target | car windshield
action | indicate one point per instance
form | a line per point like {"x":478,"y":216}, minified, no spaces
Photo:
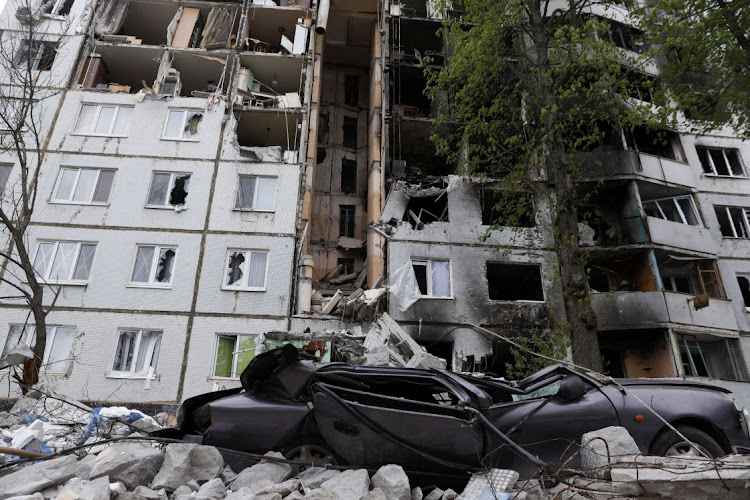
{"x":543,"y":392}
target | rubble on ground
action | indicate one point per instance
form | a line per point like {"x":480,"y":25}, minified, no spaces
{"x":612,"y":466}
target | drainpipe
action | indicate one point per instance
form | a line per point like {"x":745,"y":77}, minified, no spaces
{"x":375,"y":242}
{"x":304,"y":284}
{"x":322,"y":24}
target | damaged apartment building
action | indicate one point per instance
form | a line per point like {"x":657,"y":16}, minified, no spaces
{"x":218,"y":170}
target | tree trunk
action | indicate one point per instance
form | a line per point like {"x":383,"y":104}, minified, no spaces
{"x":32,"y":366}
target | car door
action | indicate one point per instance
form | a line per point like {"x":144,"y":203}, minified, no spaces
{"x":369,"y":426}
{"x":550,"y":426}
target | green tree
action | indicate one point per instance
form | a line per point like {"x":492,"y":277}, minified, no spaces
{"x":707,"y":49}
{"x":531,"y":88}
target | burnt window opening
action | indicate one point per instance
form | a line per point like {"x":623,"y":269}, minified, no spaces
{"x":347,"y":222}
{"x":721,"y":161}
{"x":423,"y":210}
{"x":661,"y":143}
{"x":514,"y":282}
{"x":626,"y":37}
{"x":506,"y":208}
{"x":348,"y":176}
{"x":234,"y":274}
{"x":350,"y":132}
{"x":38,"y":55}
{"x":640,"y":85}
{"x":323,"y":127}
{"x":321,"y":155}
{"x":744,"y":283}
{"x":599,"y":281}
{"x":347,"y":266}
{"x":351,"y":90}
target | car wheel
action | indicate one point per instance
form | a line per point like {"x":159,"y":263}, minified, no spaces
{"x":669,"y":444}
{"x":309,"y":454}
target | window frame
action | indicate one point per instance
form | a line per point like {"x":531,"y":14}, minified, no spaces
{"x":91,"y":201}
{"x":428,"y":263}
{"x":183,"y":122}
{"x":255,"y":193}
{"x":714,"y":172}
{"x":113,"y":373}
{"x":172,"y":178}
{"x":57,"y":6}
{"x":347,"y":209}
{"x":41,"y":48}
{"x":244,"y":287}
{"x":28,"y":331}
{"x":95,"y":121}
{"x":45,"y":278}
{"x":736,"y":363}
{"x":680,"y":211}
{"x":746,"y":277}
{"x":235,"y":354}
{"x":745,"y":221}
{"x":153,"y":268}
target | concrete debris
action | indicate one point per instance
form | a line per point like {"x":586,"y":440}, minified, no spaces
{"x":274,"y":472}
{"x":311,"y":478}
{"x":184,"y":462}
{"x":394,"y":483}
{"x":402,"y":349}
{"x":131,"y":463}
{"x":607,"y":446}
{"x":349,"y":485}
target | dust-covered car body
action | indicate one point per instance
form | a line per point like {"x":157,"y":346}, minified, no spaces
{"x":431,"y":420}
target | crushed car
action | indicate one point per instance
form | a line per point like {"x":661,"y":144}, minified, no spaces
{"x":434,"y":420}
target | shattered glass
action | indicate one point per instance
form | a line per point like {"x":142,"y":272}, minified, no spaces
{"x":179,"y":192}
{"x":125,"y":351}
{"x":235,"y":272}
{"x":166,"y":266}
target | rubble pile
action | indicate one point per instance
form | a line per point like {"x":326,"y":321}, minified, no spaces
{"x":45,"y":422}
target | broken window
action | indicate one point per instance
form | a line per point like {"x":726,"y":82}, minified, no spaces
{"x":168,"y":190}
{"x":639,"y":85}
{"x":721,"y":161}
{"x":626,"y":37}
{"x":696,"y":277}
{"x":64,"y":261}
{"x":348,"y":176}
{"x":433,"y":277}
{"x":350,"y":132}
{"x":711,"y":356}
{"x":38,"y":55}
{"x":104,"y":120}
{"x":233,"y":353}
{"x":57,"y":7}
{"x":182,"y":124}
{"x":5,"y":170}
{"x":734,"y":222}
{"x":153,"y":265}
{"x":506,"y":208}
{"x":679,"y":209}
{"x":744,"y":283}
{"x":56,"y":352}
{"x":515,"y":282}
{"x":256,"y":193}
{"x":347,"y":266}
{"x":137,"y":353}
{"x":347,"y":220}
{"x":83,"y":185}
{"x":661,"y":143}
{"x":246,"y":270}
{"x":423,"y":210}
{"x":351,"y":90}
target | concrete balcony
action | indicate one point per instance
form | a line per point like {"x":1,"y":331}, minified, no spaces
{"x":648,"y":309}
{"x":630,"y":163}
{"x":683,"y":236}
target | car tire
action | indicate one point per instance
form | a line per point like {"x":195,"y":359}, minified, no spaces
{"x":312,"y":452}
{"x":669,"y":444}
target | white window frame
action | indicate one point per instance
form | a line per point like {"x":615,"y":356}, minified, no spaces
{"x":41,"y":45}
{"x":673,"y":200}
{"x":95,"y":121}
{"x":170,"y":187}
{"x":29,"y":332}
{"x":151,"y":283}
{"x":185,"y":112}
{"x":45,"y":277}
{"x":246,"y":275}
{"x":745,"y":221}
{"x":90,"y":201}
{"x":56,"y":7}
{"x":131,"y":373}
{"x":428,"y":263}
{"x":726,"y":160}
{"x":235,"y":354}
{"x":255,"y":193}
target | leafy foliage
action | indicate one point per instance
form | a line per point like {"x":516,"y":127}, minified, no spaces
{"x":554,"y":344}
